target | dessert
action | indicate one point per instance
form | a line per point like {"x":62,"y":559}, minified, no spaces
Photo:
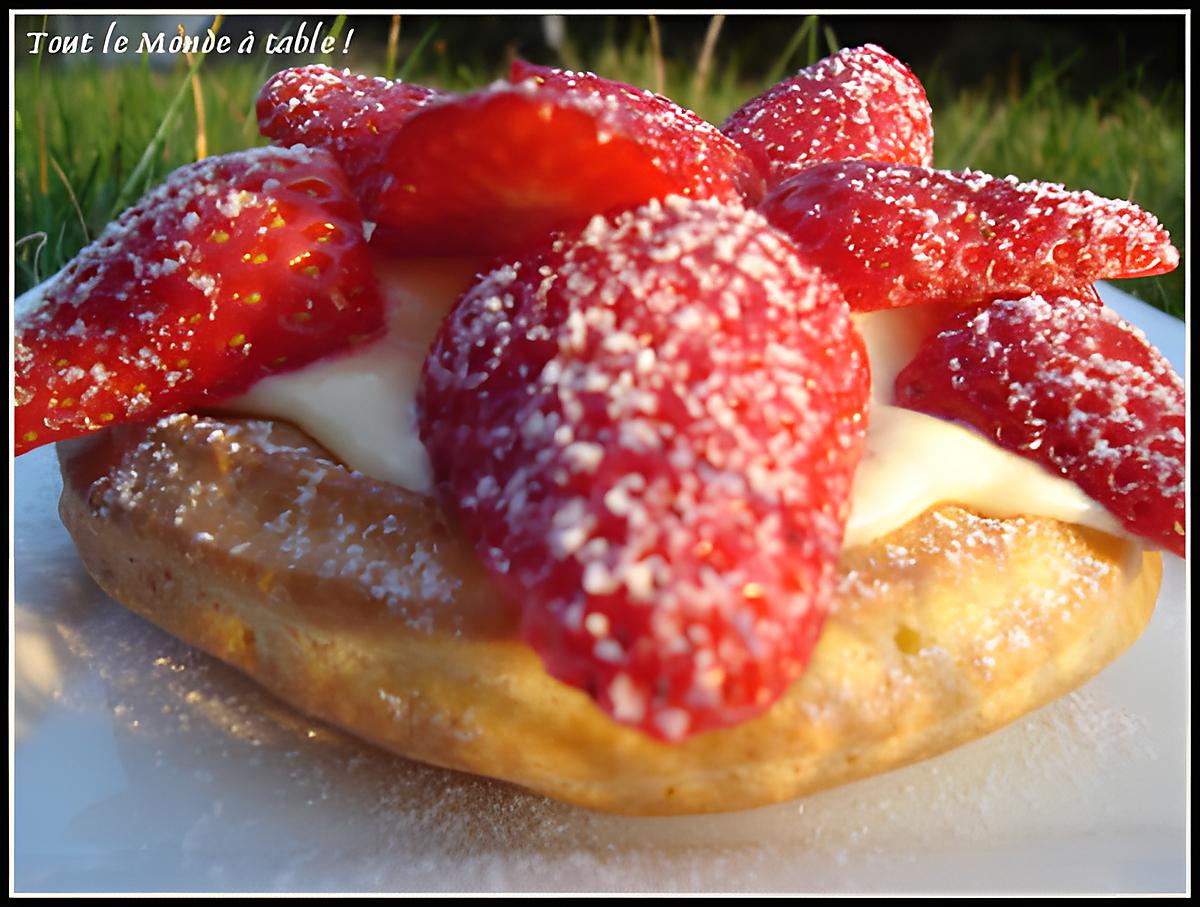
{"x":634,"y":571}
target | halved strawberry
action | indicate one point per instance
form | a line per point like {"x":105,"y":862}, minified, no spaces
{"x":860,"y":103}
{"x":649,"y":431}
{"x":678,"y":133}
{"x":1067,"y":383}
{"x":894,"y":235}
{"x":497,"y":170}
{"x":234,"y":268}
{"x":347,"y":114}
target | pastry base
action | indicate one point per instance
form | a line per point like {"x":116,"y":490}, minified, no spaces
{"x":359,"y":603}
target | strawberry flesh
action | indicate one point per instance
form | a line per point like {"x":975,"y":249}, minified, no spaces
{"x":676,"y":132}
{"x":1068,"y":384}
{"x":235,"y":268}
{"x":496,"y":171}
{"x":648,"y":429}
{"x":860,"y":103}
{"x":339,"y":111}
{"x":894,"y":235}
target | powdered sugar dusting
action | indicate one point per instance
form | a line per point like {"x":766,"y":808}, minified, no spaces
{"x":1067,"y":383}
{"x":610,"y":459}
{"x":346,"y":113}
{"x":859,"y":103}
{"x":894,"y":235}
{"x":221,"y":480}
{"x":267,"y":799}
{"x":217,"y":277}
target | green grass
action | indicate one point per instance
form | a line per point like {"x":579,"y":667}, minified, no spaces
{"x":97,"y":123}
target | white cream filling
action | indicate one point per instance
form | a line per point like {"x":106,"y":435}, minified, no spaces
{"x":913,"y":461}
{"x":361,"y":405}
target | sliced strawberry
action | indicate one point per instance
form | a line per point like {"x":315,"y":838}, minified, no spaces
{"x":234,"y":268}
{"x":860,"y":103}
{"x":497,"y":170}
{"x":649,"y":431}
{"x":894,"y":235}
{"x":323,"y":107}
{"x":677,"y":133}
{"x":1067,"y":383}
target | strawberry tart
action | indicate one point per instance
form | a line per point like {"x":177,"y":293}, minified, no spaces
{"x":551,"y":433}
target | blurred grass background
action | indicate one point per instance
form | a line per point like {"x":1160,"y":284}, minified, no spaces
{"x":1093,"y":102}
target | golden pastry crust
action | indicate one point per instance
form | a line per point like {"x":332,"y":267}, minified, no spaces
{"x":357,"y":602}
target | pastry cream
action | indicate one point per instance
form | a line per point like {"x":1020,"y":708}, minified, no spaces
{"x":913,"y":461}
{"x":361,"y":406}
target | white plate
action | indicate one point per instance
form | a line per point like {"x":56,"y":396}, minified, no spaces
{"x":141,"y":765}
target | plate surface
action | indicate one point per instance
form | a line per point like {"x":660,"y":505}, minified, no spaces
{"x":142,"y":765}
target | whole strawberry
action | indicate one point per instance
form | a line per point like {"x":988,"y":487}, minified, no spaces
{"x":1067,"y":383}
{"x":894,"y":235}
{"x":235,"y":268}
{"x":860,"y":103}
{"x":649,"y":430}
